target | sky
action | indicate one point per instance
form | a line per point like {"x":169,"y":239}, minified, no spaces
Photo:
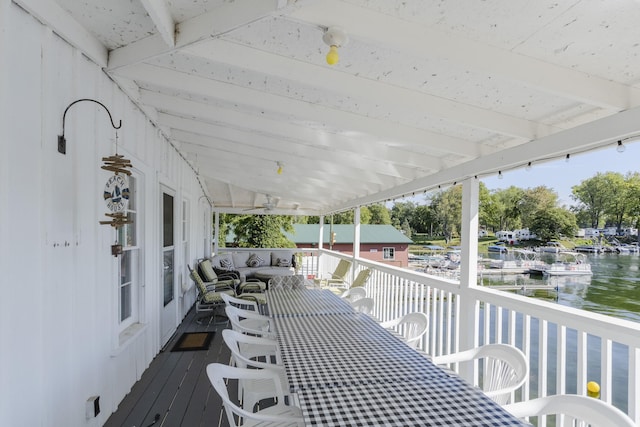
{"x":560,"y":175}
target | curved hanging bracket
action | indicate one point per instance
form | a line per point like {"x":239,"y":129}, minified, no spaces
{"x":62,"y":142}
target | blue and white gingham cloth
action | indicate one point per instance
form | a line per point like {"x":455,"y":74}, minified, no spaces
{"x":305,"y":302}
{"x":444,"y":401}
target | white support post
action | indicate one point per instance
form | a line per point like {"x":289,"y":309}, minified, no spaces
{"x":356,"y":240}
{"x":469,"y":308}
{"x":320,"y":241}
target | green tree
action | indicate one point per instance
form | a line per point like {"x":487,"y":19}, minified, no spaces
{"x":510,"y":199}
{"x":447,"y":207}
{"x":553,"y":223}
{"x":400,"y":212}
{"x":379,"y":214}
{"x":619,"y":203}
{"x":534,"y":200}
{"x":594,"y":198}
{"x":263,"y":231}
{"x":633,"y":197}
{"x":406,"y":229}
{"x":423,"y":219}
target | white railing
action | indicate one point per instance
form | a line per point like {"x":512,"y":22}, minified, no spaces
{"x":566,"y":347}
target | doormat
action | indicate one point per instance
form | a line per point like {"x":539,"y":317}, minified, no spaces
{"x":192,"y":341}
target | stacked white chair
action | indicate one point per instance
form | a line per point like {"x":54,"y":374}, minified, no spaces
{"x":363,"y":305}
{"x":411,"y":327}
{"x":279,"y":414}
{"x":578,"y":411}
{"x":250,"y":322}
{"x":256,"y":352}
{"x":506,"y":368}
{"x":354,"y":294}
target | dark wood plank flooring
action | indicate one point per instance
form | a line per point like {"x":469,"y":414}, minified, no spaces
{"x":175,"y":388}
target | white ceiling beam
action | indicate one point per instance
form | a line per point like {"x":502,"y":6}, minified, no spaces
{"x":374,"y":92}
{"x":171,"y":79}
{"x":269,"y":152}
{"x":351,"y":154}
{"x":309,"y":139}
{"x":590,"y":136}
{"x":249,"y":178}
{"x":362,"y":22}
{"x":221,"y":20}
{"x":160,"y":14}
{"x":63,"y":24}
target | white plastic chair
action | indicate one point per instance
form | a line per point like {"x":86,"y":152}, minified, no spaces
{"x":240,"y":303}
{"x":277,"y":415}
{"x":247,"y":351}
{"x":363,"y":305}
{"x":411,"y":327}
{"x":250,"y":322}
{"x":577,"y":411}
{"x":505,"y":368}
{"x":354,"y":294}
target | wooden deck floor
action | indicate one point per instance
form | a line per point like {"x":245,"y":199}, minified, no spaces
{"x":175,"y":388}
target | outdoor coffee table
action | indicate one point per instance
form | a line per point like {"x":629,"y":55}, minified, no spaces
{"x":266,"y":274}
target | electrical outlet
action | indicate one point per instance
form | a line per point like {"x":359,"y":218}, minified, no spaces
{"x":92,"y":407}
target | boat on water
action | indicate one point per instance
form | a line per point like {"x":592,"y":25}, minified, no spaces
{"x":552,"y":247}
{"x":592,"y":249}
{"x":499,"y":247}
{"x":568,"y":264}
{"x":519,"y":261}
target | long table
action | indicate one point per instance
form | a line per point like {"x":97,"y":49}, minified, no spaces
{"x":344,"y":369}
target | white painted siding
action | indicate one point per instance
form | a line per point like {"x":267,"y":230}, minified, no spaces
{"x":59,"y":305}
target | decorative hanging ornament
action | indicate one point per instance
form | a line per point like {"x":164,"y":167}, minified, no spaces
{"x":116,"y":190}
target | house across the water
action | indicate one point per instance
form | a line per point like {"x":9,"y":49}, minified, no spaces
{"x":382,"y":243}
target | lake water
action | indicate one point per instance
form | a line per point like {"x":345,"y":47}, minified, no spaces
{"x":614,"y":288}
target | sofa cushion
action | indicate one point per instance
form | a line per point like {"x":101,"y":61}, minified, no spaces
{"x":280,"y":258}
{"x":223,"y":262}
{"x":226,"y":263}
{"x":254,"y":260}
{"x":240,"y":259}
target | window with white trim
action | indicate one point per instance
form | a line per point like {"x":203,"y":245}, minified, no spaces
{"x":129,"y":262}
{"x":389,"y":253}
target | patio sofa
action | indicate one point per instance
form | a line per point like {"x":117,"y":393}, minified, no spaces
{"x":247,"y":263}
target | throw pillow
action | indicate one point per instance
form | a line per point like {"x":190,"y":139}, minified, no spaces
{"x":254,"y":261}
{"x":226,"y":264}
{"x":283,"y":262}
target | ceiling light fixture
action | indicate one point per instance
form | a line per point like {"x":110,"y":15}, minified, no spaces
{"x":528,"y":167}
{"x":500,"y":175}
{"x":621,"y":147}
{"x":334,"y":37}
{"x":280,"y":167}
{"x":567,"y":158}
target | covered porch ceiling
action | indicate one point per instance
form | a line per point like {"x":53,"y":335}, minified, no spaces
{"x":426,"y":93}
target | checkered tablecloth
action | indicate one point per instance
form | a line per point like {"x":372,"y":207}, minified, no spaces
{"x":329,"y":351}
{"x":446,"y":401}
{"x":305,"y":302}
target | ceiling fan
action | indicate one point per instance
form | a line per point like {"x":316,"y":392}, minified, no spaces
{"x":267,"y":206}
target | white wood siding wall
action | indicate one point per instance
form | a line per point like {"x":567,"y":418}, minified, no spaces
{"x":58,"y":310}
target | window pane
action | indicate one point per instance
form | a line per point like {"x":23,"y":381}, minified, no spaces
{"x":167,"y":202}
{"x":125,"y":302}
{"x":132,"y":194}
{"x":168,"y":277}
{"x":125,"y":267}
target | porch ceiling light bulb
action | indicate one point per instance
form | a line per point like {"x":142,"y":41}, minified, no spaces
{"x":334,"y":37}
{"x":620,"y":148}
{"x":279,"y":168}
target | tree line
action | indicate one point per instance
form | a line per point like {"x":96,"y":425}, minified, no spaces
{"x":607,"y":199}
